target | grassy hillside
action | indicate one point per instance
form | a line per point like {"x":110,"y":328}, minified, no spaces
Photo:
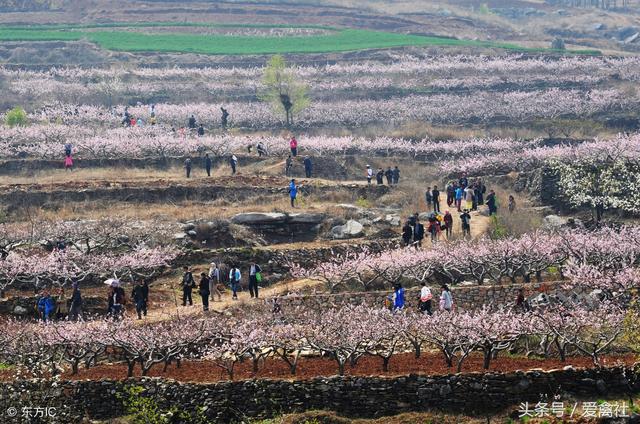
{"x":116,"y":37}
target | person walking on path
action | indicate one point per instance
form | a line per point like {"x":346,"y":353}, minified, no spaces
{"x":255,"y":274}
{"x":369,"y":174}
{"x":233,"y":162}
{"x":187,"y":167}
{"x":262,"y":151}
{"x":288,"y":164}
{"x":396,"y":175}
{"x":448,"y":224}
{"x":293,"y":192}
{"x":435,"y":197}
{"x":446,"y":300}
{"x":75,"y":309}
{"x":139,"y":299}
{"x":451,"y":193}
{"x":512,"y":203}
{"x":225,"y":117}
{"x":293,"y":145}
{"x":459,"y":196}
{"x":465,"y":219}
{"x":434,"y":228}
{"x":492,"y":203}
{"x":188,"y":283}
{"x":308,"y":166}
{"x":207,"y":164}
{"x":68,"y":163}
{"x":389,"y":175}
{"x":407,"y":233}
{"x":428,"y":197}
{"x":116,"y":301}
{"x":234,"y":279}
{"x":214,"y":280}
{"x":203,"y":291}
{"x":418,"y":234}
{"x":425,"y":298}
{"x":468,"y":197}
{"x":380,"y":176}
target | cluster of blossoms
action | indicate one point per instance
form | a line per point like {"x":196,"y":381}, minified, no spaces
{"x":483,"y":106}
{"x":62,"y":266}
{"x":344,"y":334}
{"x":46,"y":141}
{"x":585,"y":257}
{"x":400,"y":73}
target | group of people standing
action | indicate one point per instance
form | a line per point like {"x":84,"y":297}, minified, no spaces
{"x":391,"y":175}
{"x":212,"y":283}
{"x":60,"y":308}
{"x":396,"y":301}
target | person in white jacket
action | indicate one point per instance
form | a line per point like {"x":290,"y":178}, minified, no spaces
{"x":369,"y":174}
{"x":446,"y":301}
{"x":214,"y":280}
{"x":425,"y":299}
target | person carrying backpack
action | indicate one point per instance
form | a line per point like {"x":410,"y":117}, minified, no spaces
{"x":234,"y":279}
{"x":255,"y":276}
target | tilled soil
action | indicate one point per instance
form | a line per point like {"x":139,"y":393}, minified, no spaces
{"x":430,"y":363}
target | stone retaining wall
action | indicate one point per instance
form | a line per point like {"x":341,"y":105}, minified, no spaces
{"x":464,"y":297}
{"x":473,"y":393}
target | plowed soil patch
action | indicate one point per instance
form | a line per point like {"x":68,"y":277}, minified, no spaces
{"x":429,"y":363}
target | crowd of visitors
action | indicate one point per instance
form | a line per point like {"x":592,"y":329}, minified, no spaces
{"x":396,"y":300}
{"x":59,"y":307}
{"x":392,"y":176}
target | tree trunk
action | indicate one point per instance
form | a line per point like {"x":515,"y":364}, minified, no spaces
{"x":385,"y":363}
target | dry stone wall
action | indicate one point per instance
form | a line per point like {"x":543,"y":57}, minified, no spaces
{"x":226,"y":402}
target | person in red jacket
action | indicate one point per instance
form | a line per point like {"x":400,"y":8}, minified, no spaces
{"x":294,"y":146}
{"x":448,"y":224}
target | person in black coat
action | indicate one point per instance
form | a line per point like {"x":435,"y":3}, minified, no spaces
{"x":207,"y":164}
{"x":389,"y":175}
{"x":137,"y":294}
{"x":307,"y":166}
{"x":75,"y":308}
{"x":188,"y":283}
{"x":200,"y":131}
{"x":203,"y":290}
{"x":380,"y":176}
{"x":435,"y":198}
{"x":418,"y":233}
{"x":407,"y":233}
{"x":396,"y":175}
{"x":192,"y":122}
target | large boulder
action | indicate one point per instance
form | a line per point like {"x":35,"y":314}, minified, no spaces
{"x":349,"y":230}
{"x":393,"y":219}
{"x":554,"y":221}
{"x":306,"y":218}
{"x":259,"y":218}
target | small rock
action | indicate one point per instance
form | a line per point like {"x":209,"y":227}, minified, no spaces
{"x":20,"y":310}
{"x":189,"y":226}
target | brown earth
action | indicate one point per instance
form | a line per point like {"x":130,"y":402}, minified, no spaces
{"x":430,"y":363}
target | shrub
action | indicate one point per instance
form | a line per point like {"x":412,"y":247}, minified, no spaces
{"x":16,"y":117}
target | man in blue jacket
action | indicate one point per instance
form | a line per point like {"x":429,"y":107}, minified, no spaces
{"x":46,"y":306}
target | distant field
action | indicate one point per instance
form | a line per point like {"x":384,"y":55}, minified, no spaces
{"x":116,"y":37}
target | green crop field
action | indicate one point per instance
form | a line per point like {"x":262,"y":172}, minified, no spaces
{"x":116,"y":37}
